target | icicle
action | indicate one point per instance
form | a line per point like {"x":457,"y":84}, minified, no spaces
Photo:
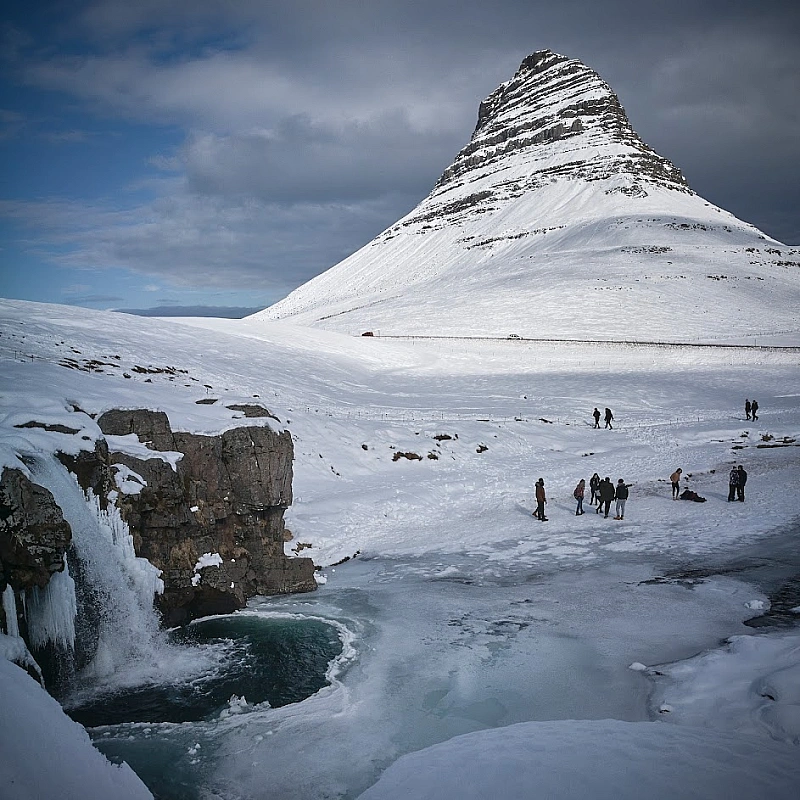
{"x":10,"y":608}
{"x":145,"y":577}
{"x":50,"y":612}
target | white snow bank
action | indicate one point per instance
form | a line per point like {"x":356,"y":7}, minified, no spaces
{"x":44,"y":754}
{"x":751,"y":685}
{"x":205,"y":560}
{"x":130,"y":445}
{"x":603,"y":760}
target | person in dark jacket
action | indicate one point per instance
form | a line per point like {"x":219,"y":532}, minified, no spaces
{"x":754,"y":409}
{"x":541,"y":499}
{"x":606,"y":496}
{"x":594,"y":483}
{"x":609,"y":417}
{"x":733,"y":482}
{"x":747,"y":408}
{"x":578,"y":495}
{"x":596,"y":415}
{"x":740,"y":483}
{"x":621,"y":495}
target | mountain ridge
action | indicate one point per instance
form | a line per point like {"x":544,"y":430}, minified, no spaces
{"x":554,"y":196}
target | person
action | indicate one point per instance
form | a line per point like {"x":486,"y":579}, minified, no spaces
{"x":594,"y":483}
{"x":754,"y":409}
{"x":733,"y":482}
{"x":541,"y":499}
{"x":578,"y":495}
{"x":596,"y":415}
{"x":676,"y":483}
{"x":621,"y":495}
{"x":747,"y":408}
{"x":609,"y":417}
{"x":740,"y":483}
{"x":606,"y":496}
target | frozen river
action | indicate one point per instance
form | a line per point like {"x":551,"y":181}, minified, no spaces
{"x":435,"y":649}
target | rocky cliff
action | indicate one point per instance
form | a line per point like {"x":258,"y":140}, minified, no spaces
{"x":205,"y":510}
{"x":226,"y":495}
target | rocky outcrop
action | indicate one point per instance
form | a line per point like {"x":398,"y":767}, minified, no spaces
{"x":226,"y":495}
{"x":34,"y":535}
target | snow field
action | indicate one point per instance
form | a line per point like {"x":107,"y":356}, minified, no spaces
{"x":466,"y":615}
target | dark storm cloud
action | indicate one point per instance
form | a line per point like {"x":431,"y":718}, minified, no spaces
{"x":310,"y":126}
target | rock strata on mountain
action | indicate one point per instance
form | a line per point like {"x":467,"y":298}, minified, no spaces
{"x":557,"y":220}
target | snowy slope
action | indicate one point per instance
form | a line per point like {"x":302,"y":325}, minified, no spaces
{"x":466,"y":615}
{"x":556,"y":220}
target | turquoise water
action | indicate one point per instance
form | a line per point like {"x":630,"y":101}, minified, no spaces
{"x":264,"y":659}
{"x":276,"y":660}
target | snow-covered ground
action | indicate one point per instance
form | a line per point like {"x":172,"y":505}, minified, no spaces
{"x":463,"y":614}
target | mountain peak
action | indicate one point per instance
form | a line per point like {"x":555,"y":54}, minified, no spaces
{"x":557,"y":220}
{"x":560,"y":118}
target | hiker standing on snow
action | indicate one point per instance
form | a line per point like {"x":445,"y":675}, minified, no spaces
{"x":675,"y":478}
{"x":541,"y":499}
{"x":609,"y":417}
{"x":578,"y":495}
{"x":747,"y":408}
{"x":754,"y":409}
{"x":594,"y":483}
{"x":596,"y":415}
{"x":606,"y":496}
{"x":741,"y":483}
{"x":733,"y":483}
{"x":621,"y":495}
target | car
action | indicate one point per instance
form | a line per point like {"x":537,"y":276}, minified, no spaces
{"x":368,"y":333}
{"x":514,"y":336}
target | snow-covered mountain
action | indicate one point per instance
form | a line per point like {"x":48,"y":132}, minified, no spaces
{"x":557,"y":220}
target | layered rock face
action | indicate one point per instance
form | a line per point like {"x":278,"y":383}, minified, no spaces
{"x":226,"y":496}
{"x":557,"y":221}
{"x":556,"y":99}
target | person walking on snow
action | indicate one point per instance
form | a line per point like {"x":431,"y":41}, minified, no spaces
{"x":578,"y":495}
{"x":747,"y":408}
{"x":675,"y":478}
{"x":733,"y":483}
{"x":594,"y":483}
{"x":621,"y":495}
{"x":740,"y":484}
{"x":754,"y":409}
{"x":609,"y":417}
{"x":606,"y":496}
{"x":541,"y":499}
{"x":596,"y":415}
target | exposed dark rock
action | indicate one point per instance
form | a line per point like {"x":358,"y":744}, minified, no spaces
{"x":253,"y":410}
{"x":227,"y":496}
{"x":49,"y":428}
{"x":90,"y":467}
{"x":33,"y":532}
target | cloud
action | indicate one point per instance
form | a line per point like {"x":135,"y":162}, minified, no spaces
{"x":307,"y":128}
{"x":213,"y":242}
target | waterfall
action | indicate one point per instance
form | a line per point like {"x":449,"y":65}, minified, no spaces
{"x":115,"y":587}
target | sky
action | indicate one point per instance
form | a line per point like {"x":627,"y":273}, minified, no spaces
{"x":214,"y":154}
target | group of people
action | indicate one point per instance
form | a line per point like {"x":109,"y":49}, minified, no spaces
{"x":608,"y":418}
{"x":750,"y":409}
{"x":603,"y":492}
